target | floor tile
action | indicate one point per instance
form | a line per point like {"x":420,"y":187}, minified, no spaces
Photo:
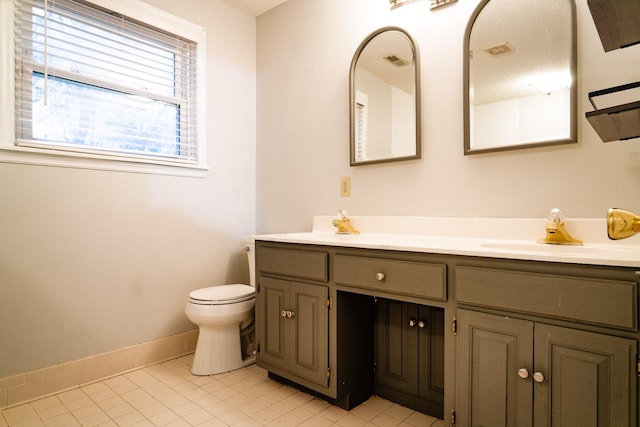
{"x":65,"y":420}
{"x":23,"y":415}
{"x":71,"y":395}
{"x":167,"y":394}
{"x":52,"y":412}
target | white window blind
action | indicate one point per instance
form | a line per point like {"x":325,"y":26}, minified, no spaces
{"x":93,"y":81}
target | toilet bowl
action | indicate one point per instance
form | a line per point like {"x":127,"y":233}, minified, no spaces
{"x":224,"y":315}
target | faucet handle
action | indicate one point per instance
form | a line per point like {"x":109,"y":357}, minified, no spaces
{"x":555,"y":215}
{"x":342,"y":213}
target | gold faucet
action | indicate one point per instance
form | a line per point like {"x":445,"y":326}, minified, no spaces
{"x":344,"y":224}
{"x":557,"y":234}
{"x":622,"y":224}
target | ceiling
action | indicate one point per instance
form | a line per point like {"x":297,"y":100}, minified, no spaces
{"x":540,"y":34}
{"x":253,"y":7}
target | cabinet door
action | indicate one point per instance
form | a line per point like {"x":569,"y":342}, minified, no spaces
{"x":589,"y":379}
{"x":310,"y":342}
{"x":272,"y":300}
{"x":431,"y":351}
{"x":491,"y":349}
{"x":396,"y":346}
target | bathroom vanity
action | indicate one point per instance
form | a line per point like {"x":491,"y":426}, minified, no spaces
{"x":474,"y":330}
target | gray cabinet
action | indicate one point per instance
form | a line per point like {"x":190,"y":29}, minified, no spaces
{"x":409,"y":355}
{"x":401,"y":277}
{"x":409,"y":336}
{"x":292,"y":315}
{"x":515,"y":372}
{"x":507,"y":342}
{"x":294,"y":336}
{"x":546,"y":345}
{"x":589,"y":378}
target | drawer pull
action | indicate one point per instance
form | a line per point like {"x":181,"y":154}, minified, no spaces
{"x":523,"y":373}
{"x":538,"y":377}
{"x":379,"y":277}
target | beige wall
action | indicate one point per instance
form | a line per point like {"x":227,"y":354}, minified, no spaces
{"x":93,"y":261}
{"x":304,"y":52}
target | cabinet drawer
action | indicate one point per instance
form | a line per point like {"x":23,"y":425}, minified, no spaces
{"x":595,"y":301}
{"x":295,"y":263}
{"x":400,"y":277}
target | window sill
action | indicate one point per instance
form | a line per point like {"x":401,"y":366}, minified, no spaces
{"x":39,"y":157}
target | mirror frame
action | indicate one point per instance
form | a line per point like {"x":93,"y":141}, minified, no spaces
{"x":573,"y":60}
{"x":352,"y":98}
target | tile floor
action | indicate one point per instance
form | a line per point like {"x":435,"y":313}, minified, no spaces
{"x":166,"y":394}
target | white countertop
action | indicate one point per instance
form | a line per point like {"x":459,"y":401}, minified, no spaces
{"x":482,"y":237}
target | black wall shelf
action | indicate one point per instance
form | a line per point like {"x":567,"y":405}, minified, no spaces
{"x":617,"y":22}
{"x":615,"y":123}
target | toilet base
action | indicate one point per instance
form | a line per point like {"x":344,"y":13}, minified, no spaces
{"x":218,"y":350}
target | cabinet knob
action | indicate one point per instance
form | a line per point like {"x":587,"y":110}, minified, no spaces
{"x":290,"y":314}
{"x":421,"y":324}
{"x":538,"y":377}
{"x":284,"y":313}
{"x":523,"y":373}
{"x":412,"y":323}
{"x":380,"y":277}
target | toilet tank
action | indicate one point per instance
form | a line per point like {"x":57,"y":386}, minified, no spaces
{"x":250,"y":247}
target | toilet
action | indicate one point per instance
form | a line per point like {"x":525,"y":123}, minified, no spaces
{"x":224,"y":315}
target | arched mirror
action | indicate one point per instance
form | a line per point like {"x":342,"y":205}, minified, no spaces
{"x":520,"y":75}
{"x":385,"y":99}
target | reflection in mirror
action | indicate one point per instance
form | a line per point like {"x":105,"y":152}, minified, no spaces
{"x":519,"y":75}
{"x":384,"y":99}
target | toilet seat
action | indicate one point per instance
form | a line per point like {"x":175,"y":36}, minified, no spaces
{"x":221,"y":295}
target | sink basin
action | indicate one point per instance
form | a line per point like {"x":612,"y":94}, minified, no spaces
{"x":571,"y":250}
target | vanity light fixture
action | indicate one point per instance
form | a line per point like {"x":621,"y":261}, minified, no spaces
{"x":434,"y":3}
{"x":439,"y":3}
{"x":397,"y":3}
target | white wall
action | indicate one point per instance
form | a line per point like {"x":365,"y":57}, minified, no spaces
{"x":304,"y":51}
{"x":92,"y":261}
{"x":518,"y":120}
{"x":379,"y":110}
{"x":403,"y":123}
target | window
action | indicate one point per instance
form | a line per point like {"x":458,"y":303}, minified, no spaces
{"x":117,"y":85}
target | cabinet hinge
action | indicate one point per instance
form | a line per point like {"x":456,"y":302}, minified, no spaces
{"x":638,"y":364}
{"x":328,"y":374}
{"x":453,"y":417}
{"x":329,"y":302}
{"x":454,"y":325}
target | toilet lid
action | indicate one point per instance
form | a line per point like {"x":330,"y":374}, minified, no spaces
{"x":225,"y":294}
